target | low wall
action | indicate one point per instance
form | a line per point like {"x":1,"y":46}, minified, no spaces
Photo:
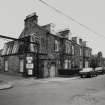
{"x":68,"y":72}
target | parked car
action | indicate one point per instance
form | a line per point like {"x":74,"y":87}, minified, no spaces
{"x":99,"y":70}
{"x":103,"y":70}
{"x":87,"y":72}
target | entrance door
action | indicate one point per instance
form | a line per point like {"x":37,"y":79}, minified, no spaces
{"x":52,"y":71}
{"x":46,"y":73}
{"x":21,"y":65}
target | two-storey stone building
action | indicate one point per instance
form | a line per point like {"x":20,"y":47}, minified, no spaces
{"x":40,"y":53}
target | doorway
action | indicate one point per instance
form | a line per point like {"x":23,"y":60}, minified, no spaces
{"x":21,"y":65}
{"x":52,"y":71}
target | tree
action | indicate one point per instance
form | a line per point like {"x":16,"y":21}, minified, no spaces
{"x":94,"y":62}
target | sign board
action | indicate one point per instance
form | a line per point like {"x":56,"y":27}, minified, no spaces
{"x":29,"y":66}
{"x":29,"y":58}
{"x":30,"y":72}
{"x":29,"y":61}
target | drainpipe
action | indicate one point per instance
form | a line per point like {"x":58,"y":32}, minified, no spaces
{"x":37,"y":57}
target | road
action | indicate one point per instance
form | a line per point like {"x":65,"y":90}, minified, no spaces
{"x":61,"y":91}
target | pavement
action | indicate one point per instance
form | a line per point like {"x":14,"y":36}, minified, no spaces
{"x":10,"y":81}
{"x":54,"y":91}
{"x":5,"y":85}
{"x":6,"y":81}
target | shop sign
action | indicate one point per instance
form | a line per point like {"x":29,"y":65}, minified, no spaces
{"x":29,"y":66}
{"x":30,"y":72}
{"x":29,"y":58}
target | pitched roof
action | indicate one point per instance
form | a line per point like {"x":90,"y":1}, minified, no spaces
{"x":10,"y":48}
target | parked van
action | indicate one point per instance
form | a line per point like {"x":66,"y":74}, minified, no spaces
{"x":99,"y":70}
{"x":87,"y":72}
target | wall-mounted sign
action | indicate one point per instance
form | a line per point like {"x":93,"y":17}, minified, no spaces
{"x":29,"y":66}
{"x":29,"y":61}
{"x":30,"y":72}
{"x":29,"y":58}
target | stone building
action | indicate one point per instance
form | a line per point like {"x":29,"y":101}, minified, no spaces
{"x":87,"y":53}
{"x":40,"y":53}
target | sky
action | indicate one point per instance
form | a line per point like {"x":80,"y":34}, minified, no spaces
{"x":88,"y":12}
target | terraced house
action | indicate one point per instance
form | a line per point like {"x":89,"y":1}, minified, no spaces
{"x":38,"y":52}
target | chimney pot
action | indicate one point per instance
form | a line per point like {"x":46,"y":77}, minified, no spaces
{"x":74,"y":39}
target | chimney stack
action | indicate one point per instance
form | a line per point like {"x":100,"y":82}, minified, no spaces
{"x":84,"y":43}
{"x":80,"y":41}
{"x":74,"y":39}
{"x":31,"y":19}
{"x":64,"y":33}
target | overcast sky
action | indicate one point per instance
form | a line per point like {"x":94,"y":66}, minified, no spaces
{"x":87,"y":12}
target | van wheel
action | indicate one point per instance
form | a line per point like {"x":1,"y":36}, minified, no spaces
{"x":81,"y":76}
{"x":90,"y":76}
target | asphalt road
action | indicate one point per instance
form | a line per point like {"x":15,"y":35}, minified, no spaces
{"x":62,"y":91}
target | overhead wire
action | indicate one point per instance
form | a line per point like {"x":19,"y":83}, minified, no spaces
{"x":72,"y":19}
